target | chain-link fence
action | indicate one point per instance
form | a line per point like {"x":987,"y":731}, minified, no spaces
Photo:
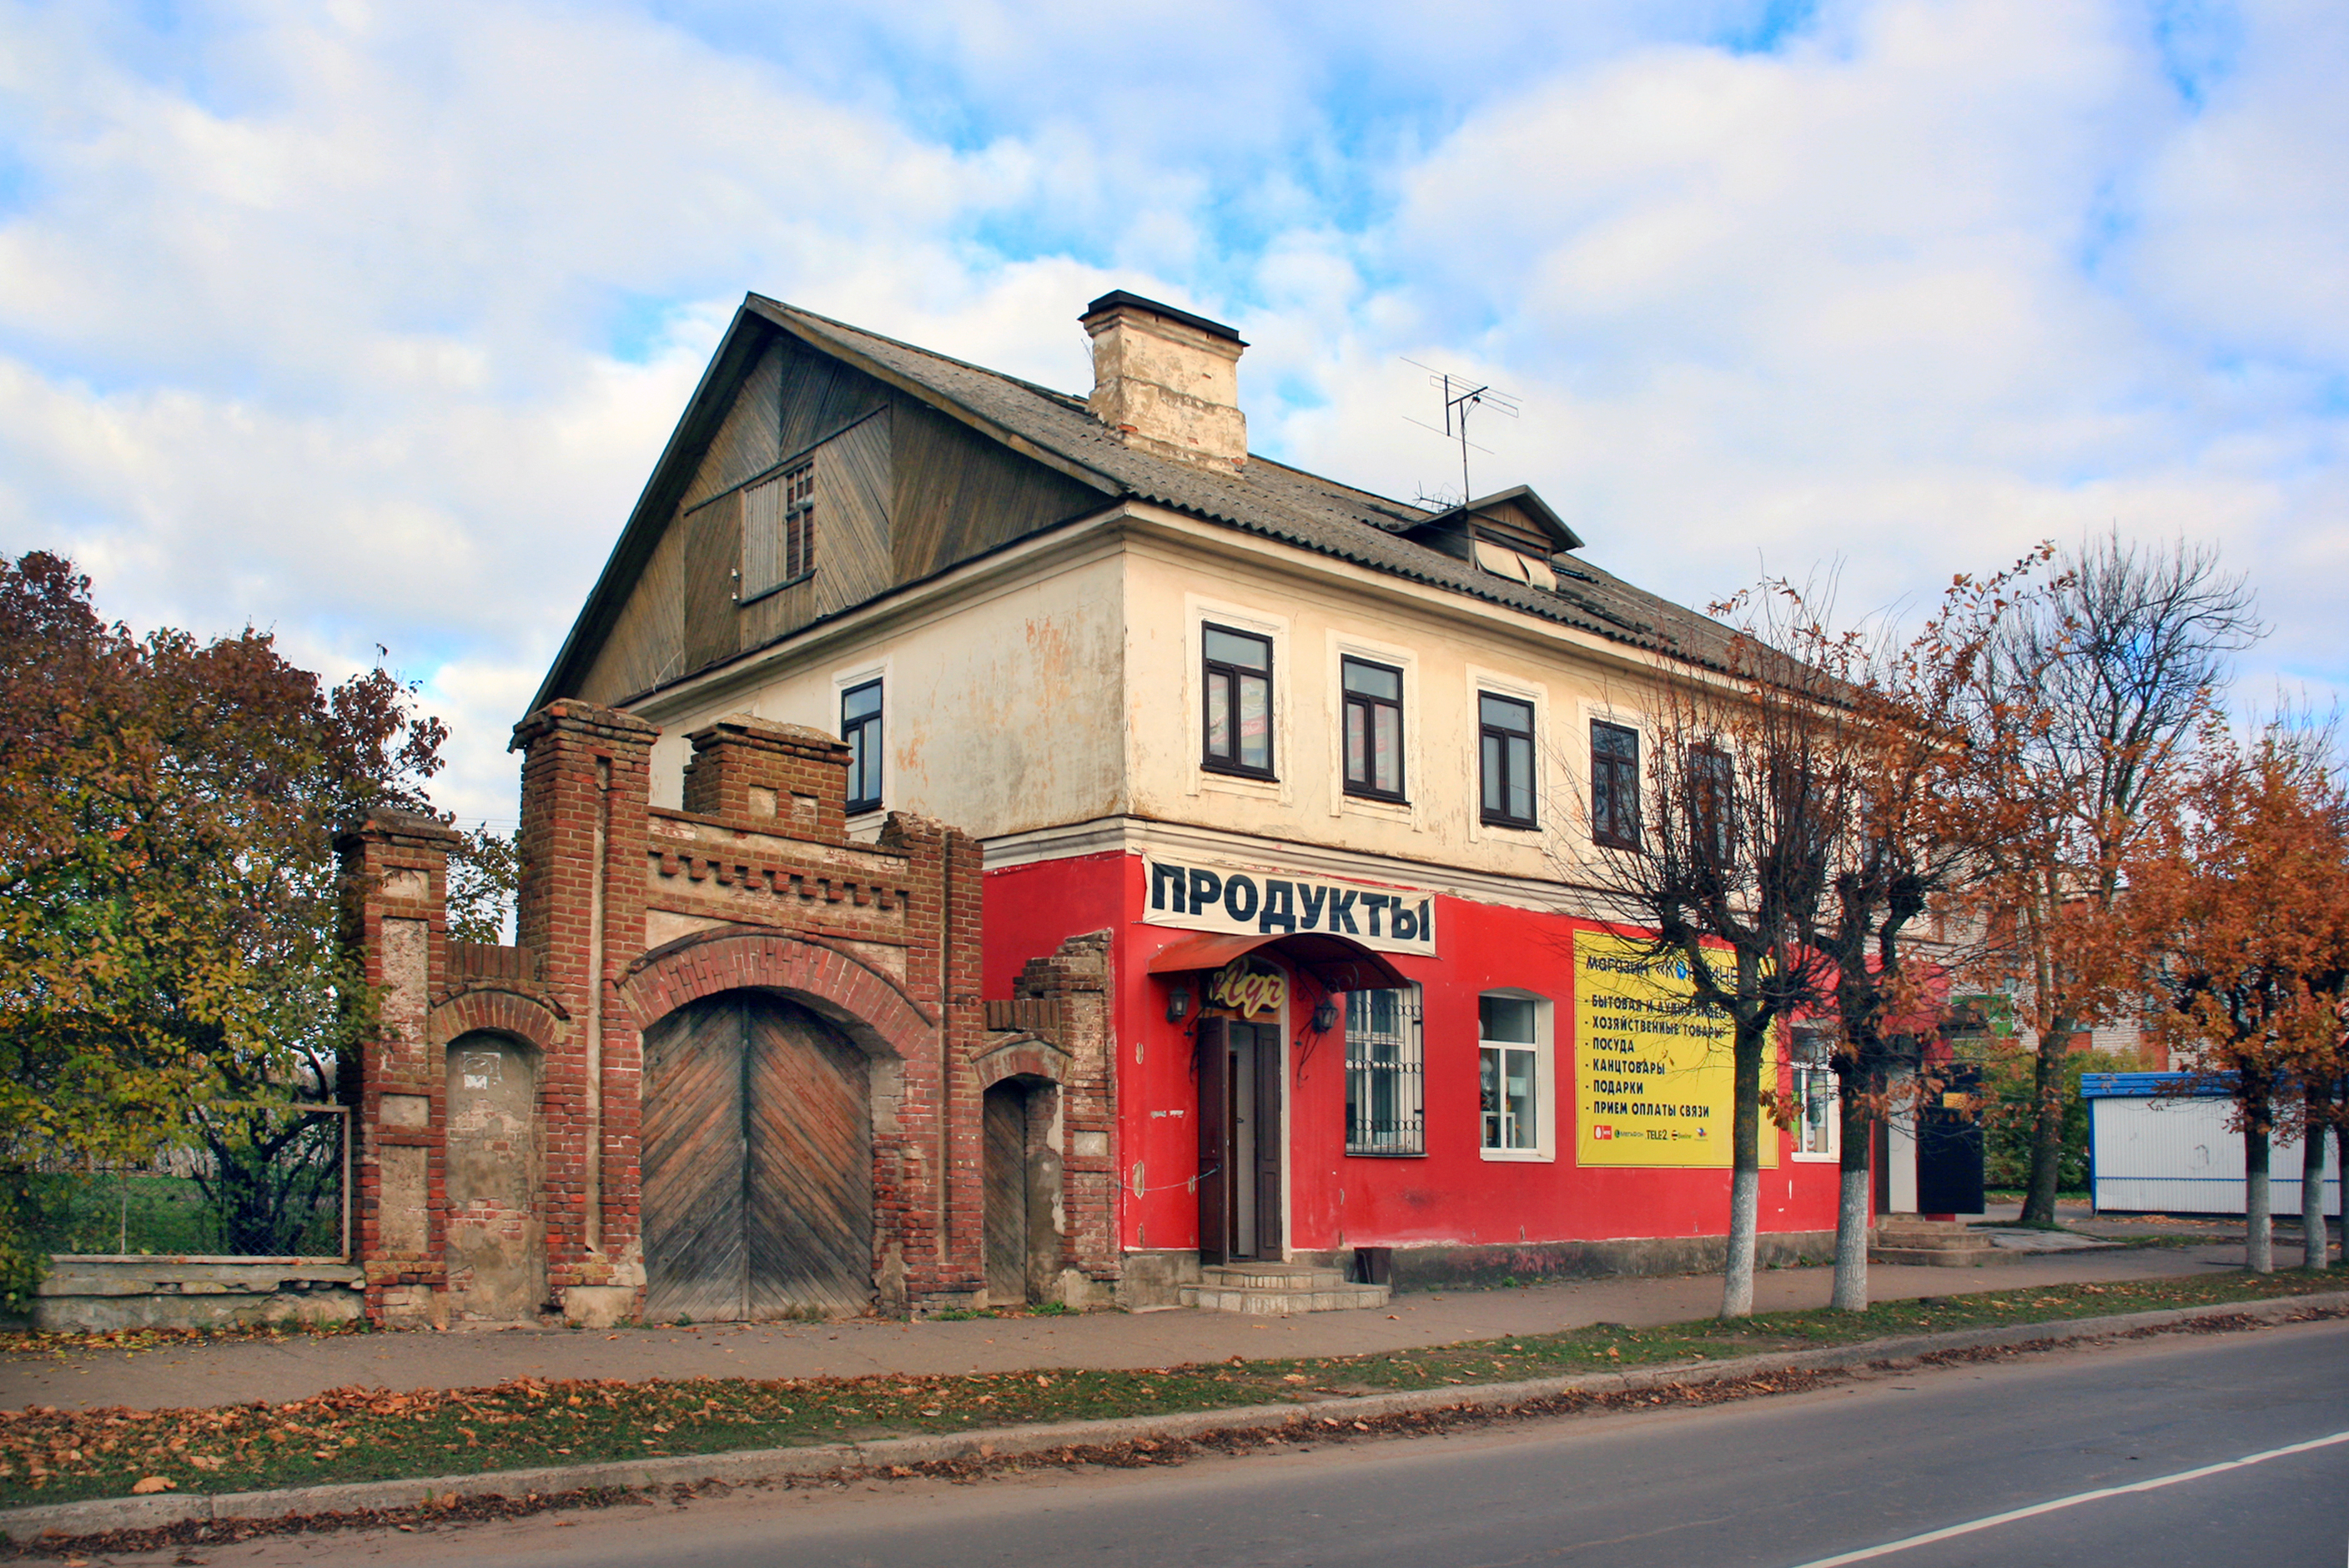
{"x":253,"y":1181}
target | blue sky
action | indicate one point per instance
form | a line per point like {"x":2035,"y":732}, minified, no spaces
{"x":365,"y":322}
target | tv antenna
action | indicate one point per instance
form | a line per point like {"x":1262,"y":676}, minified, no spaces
{"x":1461,"y":394}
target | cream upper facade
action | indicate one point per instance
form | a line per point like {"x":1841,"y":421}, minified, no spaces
{"x":1054,"y":608}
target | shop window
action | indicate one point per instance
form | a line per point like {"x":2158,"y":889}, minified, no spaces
{"x":1817,"y":1126}
{"x":1373,"y":728}
{"x":1384,"y":1107}
{"x":1505,"y":760}
{"x":860,"y":726}
{"x":1614,"y":785}
{"x":1236,"y":670}
{"x":1513,"y":1074}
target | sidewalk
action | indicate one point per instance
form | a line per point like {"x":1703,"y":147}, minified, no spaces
{"x":231,"y":1371}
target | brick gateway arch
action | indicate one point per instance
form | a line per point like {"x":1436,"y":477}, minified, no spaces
{"x":736,"y":1066}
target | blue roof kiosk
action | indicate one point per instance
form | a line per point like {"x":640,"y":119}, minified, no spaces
{"x":2159,"y":1143}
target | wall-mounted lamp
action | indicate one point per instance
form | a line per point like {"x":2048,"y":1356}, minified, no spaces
{"x":1325,"y":1016}
{"x":1178,"y":1004}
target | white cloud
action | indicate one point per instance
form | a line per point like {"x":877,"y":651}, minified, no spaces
{"x":366,"y":322}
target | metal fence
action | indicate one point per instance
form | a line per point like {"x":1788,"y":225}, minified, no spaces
{"x":253,"y":1180}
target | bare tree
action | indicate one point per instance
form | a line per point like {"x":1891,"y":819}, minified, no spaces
{"x":1911,"y":838}
{"x":2076,"y":727}
{"x":1725,"y":858}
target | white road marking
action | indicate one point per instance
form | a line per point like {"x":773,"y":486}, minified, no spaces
{"x":1951,"y":1531}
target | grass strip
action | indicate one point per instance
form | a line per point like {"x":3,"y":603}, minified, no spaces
{"x":49,"y":1455}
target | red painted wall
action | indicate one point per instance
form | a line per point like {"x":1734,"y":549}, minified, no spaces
{"x":1451,"y":1194}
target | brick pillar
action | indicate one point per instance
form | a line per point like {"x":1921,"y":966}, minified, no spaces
{"x":1076,"y":981}
{"x":585,"y":793}
{"x":945,"y":1258}
{"x":785,"y":776}
{"x":395,"y":878}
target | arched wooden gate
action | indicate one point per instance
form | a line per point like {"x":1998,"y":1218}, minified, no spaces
{"x":757,"y":1156}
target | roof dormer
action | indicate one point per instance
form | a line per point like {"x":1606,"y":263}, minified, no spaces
{"x":1512,"y":534}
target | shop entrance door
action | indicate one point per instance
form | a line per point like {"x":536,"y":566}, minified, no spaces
{"x":1240,"y":1085}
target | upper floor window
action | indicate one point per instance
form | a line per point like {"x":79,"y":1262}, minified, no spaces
{"x":1614,"y":785}
{"x":1373,"y":728}
{"x":1506,"y":761}
{"x":860,"y":726}
{"x":1713,"y":807}
{"x":1237,"y":671}
{"x":778,"y":531}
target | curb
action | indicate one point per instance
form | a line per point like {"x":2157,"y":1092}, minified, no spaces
{"x":99,"y":1515}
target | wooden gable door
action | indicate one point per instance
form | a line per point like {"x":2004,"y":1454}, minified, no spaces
{"x":756,"y":1150}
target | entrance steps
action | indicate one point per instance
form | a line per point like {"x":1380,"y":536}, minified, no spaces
{"x":1269,"y":1290}
{"x":1937,"y":1243}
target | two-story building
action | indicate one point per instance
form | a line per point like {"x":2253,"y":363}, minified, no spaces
{"x":1329,"y":768}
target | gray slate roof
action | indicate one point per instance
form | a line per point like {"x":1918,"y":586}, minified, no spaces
{"x":1264,"y":497}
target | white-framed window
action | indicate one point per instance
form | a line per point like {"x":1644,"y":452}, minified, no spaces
{"x":1385,"y":1113}
{"x":1516,"y":1086}
{"x":1818,"y":1127}
{"x":860,"y":726}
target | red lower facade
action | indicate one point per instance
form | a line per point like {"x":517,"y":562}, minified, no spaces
{"x":1455,"y":1194}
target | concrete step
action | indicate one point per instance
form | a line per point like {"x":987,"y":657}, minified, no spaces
{"x":1336,"y":1297}
{"x":1931,"y":1257}
{"x":1271,"y":1277}
{"x":1934,"y":1244}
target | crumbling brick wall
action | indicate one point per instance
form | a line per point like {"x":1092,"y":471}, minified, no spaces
{"x":626,"y":912}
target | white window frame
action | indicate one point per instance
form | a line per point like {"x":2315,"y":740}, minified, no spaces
{"x":1577,"y":768}
{"x":1545,"y":1047}
{"x":1800,"y":1075}
{"x":1499,"y":683}
{"x":1410,"y":1141}
{"x":1417,"y":778}
{"x":843,"y":682}
{"x":1197,"y":611}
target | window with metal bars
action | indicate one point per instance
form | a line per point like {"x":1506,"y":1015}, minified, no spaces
{"x":1385,"y":1112}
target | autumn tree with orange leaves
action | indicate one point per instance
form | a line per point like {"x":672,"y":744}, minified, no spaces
{"x":2078,"y":731}
{"x":2238,"y":899}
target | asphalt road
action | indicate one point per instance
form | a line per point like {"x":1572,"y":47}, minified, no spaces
{"x":1770,"y":1483}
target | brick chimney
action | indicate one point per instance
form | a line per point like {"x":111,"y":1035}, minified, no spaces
{"x":1167,"y":381}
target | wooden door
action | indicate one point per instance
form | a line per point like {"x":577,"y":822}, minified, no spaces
{"x":1005,"y":1171}
{"x":1267,"y":1140}
{"x":808,"y":1208}
{"x":1213,"y":1069}
{"x":757,"y":1159}
{"x":690,"y":1142}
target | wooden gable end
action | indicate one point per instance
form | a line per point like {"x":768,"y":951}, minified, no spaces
{"x":1509,"y":524}
{"x":959,"y":494}
{"x":900,"y":493}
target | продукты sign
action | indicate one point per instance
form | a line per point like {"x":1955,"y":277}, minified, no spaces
{"x":1194,"y":897}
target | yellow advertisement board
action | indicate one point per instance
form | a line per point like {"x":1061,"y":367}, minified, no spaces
{"x":1651,"y":1074}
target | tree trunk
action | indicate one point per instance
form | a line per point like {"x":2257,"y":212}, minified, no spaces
{"x":1746,"y":1177}
{"x":2258,"y":1233}
{"x":2047,"y":1123}
{"x":2317,"y":1246}
{"x":1854,"y":1204}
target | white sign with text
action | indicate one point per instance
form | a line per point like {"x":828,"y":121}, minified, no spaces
{"x":1193,"y":896}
